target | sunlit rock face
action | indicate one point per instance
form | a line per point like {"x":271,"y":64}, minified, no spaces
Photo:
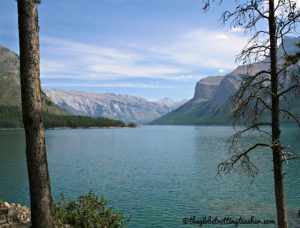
{"x":121,"y":107}
{"x":206,"y":88}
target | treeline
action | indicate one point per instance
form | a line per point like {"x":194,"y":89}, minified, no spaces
{"x":11,"y":117}
{"x":52,"y":121}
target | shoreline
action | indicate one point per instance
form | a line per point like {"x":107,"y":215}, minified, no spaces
{"x":65,"y":128}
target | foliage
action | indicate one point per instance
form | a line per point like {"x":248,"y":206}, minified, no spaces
{"x":52,"y":121}
{"x":133,"y":125}
{"x":11,"y":117}
{"x":292,"y":59}
{"x":88,"y":211}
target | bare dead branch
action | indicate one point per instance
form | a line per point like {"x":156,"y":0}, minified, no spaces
{"x":288,"y":90}
{"x":291,"y":115}
{"x":243,"y":158}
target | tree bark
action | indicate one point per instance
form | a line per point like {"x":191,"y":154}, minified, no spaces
{"x":39,"y":182}
{"x":276,"y":144}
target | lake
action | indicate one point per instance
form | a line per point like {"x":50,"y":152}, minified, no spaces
{"x":157,"y":174}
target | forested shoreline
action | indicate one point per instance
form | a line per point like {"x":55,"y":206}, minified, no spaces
{"x":11,"y":117}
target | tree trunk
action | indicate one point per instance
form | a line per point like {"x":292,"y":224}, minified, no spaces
{"x":276,"y":144}
{"x":39,"y":182}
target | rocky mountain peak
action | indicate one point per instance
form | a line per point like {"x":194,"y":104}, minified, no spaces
{"x":116,"y":106}
{"x":206,"y":87}
{"x":169,"y":102}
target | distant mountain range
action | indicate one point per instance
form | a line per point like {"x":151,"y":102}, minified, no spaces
{"x":211,"y":102}
{"x":121,"y":107}
{"x":53,"y":115}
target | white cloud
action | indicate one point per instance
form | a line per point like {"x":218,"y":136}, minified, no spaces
{"x":204,"y":49}
{"x":182,"y":77}
{"x":73,"y":47}
{"x":105,"y":85}
{"x":236,"y":29}
{"x":221,"y":37}
{"x":133,"y":70}
{"x":221,"y":70}
{"x":178,"y":59}
{"x":81,"y":60}
{"x":52,"y":64}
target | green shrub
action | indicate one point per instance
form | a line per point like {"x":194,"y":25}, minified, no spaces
{"x":89,"y":211}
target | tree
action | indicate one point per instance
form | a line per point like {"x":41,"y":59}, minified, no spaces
{"x":266,"y":92}
{"x":39,"y":182}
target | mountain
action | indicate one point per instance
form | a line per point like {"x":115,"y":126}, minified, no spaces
{"x":122,"y":107}
{"x":9,"y":78}
{"x":211,"y":102}
{"x":53,"y":115}
{"x":200,"y":108}
{"x":170,"y":102}
{"x":10,"y":91}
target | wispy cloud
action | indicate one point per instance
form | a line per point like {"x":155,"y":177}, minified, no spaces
{"x":237,"y":29}
{"x":204,"y":49}
{"x":222,"y":37}
{"x":221,"y":71}
{"x":181,"y":58}
{"x":82,"y":60}
{"x":106,"y":85}
{"x":182,"y":77}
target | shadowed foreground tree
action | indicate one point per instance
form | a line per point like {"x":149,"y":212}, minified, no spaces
{"x":265,"y":96}
{"x":39,"y":183}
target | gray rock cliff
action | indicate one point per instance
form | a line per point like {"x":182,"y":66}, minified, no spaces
{"x":122,"y":107}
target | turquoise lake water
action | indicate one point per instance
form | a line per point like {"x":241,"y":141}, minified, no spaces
{"x":157,"y":174}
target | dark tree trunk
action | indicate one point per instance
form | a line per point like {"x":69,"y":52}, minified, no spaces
{"x":276,"y":144}
{"x":39,"y":182}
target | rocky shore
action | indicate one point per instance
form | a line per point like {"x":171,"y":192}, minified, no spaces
{"x":17,"y":216}
{"x":14,"y":215}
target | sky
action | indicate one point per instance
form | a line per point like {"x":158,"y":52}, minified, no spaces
{"x":151,"y":49}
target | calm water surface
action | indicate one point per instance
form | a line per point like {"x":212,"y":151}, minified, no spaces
{"x":157,"y":174}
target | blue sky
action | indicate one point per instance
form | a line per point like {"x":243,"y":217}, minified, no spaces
{"x":147,"y":48}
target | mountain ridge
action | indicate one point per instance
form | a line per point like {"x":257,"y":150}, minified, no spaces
{"x":110,"y":105}
{"x":216,"y":108}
